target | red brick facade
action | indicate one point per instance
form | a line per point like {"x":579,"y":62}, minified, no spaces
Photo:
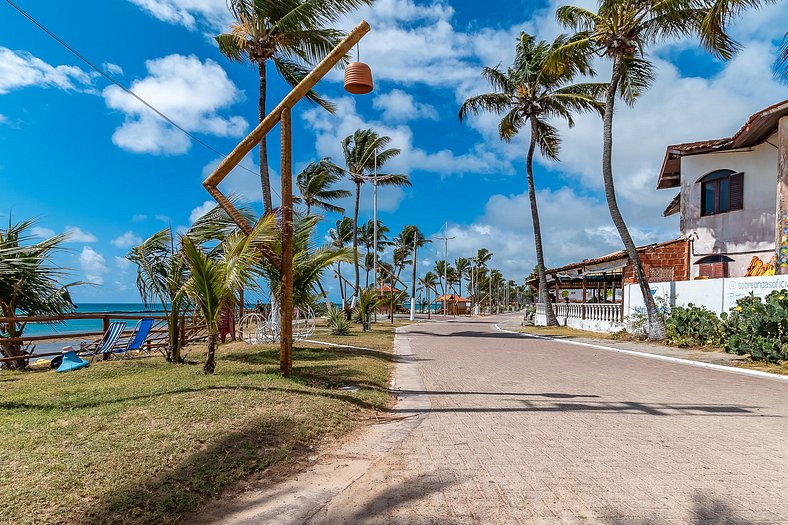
{"x":664,"y":262}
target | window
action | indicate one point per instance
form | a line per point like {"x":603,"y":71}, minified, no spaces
{"x":714,"y":266}
{"x":721,"y":191}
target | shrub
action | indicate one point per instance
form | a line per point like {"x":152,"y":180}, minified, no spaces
{"x":693,"y":326}
{"x":337,"y":322}
{"x":759,"y":327}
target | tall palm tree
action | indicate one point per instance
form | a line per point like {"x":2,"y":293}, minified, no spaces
{"x":441,"y":270}
{"x":414,"y":239}
{"x":216,"y":276}
{"x":316,"y":186}
{"x":366,"y":236}
{"x":341,"y":235}
{"x":534,"y":90}
{"x":29,"y":284}
{"x":290,"y":33}
{"x":365,"y":151}
{"x":483,"y":256}
{"x":463,"y":266}
{"x":430,"y":280}
{"x":621,"y":31}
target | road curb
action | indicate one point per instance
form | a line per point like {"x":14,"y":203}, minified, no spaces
{"x":699,"y":364}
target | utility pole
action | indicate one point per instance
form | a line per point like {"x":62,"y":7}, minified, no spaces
{"x":413,"y":295}
{"x":446,"y":239}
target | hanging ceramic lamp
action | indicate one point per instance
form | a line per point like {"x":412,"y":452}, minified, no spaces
{"x":358,"y":78}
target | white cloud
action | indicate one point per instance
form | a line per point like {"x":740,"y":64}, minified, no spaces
{"x":20,"y":69}
{"x":139,"y":217}
{"x":3,"y":119}
{"x":93,"y":264}
{"x":112,"y":69}
{"x":187,"y":90}
{"x":188,"y":13}
{"x":76,"y":234}
{"x":398,"y":106}
{"x":39,"y":231}
{"x":127,"y":240}
{"x":201,"y":210}
{"x":122,"y":264}
{"x":163,"y":218}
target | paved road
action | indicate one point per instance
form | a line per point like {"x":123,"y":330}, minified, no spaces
{"x":518,"y":430}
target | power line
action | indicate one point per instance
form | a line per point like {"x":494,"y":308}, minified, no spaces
{"x":121,"y":86}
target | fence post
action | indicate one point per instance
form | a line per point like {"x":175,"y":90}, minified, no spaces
{"x":105,"y":323}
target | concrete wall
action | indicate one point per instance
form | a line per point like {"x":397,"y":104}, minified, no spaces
{"x":717,"y":295}
{"x":742,"y":233}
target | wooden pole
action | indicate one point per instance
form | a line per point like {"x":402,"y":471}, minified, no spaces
{"x":286,"y":299}
{"x":781,"y":226}
{"x":583,"y":307}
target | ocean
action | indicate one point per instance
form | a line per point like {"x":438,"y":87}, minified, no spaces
{"x":89,"y":325}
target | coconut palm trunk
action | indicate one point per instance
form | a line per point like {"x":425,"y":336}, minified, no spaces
{"x":529,"y":168}
{"x":265,"y":181}
{"x":355,"y":239}
{"x":210,"y":359}
{"x":656,"y":330}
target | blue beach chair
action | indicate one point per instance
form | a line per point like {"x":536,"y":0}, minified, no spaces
{"x":140,"y":334}
{"x":106,"y":345}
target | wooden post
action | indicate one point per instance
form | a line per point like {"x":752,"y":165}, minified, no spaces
{"x":105,"y":323}
{"x":583,"y":307}
{"x":781,"y":215}
{"x":240,"y":311}
{"x":286,"y":299}
{"x":604,"y":287}
{"x":557,"y":289}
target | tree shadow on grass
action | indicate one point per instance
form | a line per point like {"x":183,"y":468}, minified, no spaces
{"x":169,"y":495}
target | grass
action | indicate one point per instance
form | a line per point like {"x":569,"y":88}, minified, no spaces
{"x":144,"y":441}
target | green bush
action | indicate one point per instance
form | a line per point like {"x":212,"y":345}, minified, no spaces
{"x":759,"y":327}
{"x":337,"y":322}
{"x":693,"y":326}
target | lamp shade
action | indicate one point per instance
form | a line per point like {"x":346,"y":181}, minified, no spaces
{"x":358,"y":78}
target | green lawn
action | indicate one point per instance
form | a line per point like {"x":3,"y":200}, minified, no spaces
{"x":143,"y":441}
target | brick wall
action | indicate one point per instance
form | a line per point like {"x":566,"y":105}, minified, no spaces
{"x":666,"y":262}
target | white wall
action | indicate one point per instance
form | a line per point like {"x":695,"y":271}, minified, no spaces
{"x":717,"y":295}
{"x":750,"y":229}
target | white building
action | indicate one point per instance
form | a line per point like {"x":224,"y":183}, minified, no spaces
{"x":728,"y":198}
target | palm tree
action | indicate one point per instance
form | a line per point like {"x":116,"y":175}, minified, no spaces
{"x":309,"y":262}
{"x":316,"y":186}
{"x":463,"y":266}
{"x":483,"y":256}
{"x":366,"y":236}
{"x":532,"y":91}
{"x":621,"y":32}
{"x":216,"y":276}
{"x":29,"y":284}
{"x":290,"y":33}
{"x":414,"y":239}
{"x":441,"y":270}
{"x":365,"y":151}
{"x":340,"y":236}
{"x":430,"y":280}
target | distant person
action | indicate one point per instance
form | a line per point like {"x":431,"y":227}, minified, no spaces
{"x":226,"y":324}
{"x":258,"y":307}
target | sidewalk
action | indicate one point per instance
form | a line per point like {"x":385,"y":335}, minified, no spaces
{"x":711,"y":356}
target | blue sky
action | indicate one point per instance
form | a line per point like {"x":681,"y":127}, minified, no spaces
{"x":82,"y":156}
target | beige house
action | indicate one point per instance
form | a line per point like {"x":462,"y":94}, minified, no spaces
{"x":728,"y":197}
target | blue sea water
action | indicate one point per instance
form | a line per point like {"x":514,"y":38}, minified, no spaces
{"x":89,"y":325}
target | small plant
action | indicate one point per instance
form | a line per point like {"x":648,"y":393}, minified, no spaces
{"x":368,"y":302}
{"x":337,"y":322}
{"x":637,"y":322}
{"x":759,"y":328}
{"x":694,"y":326}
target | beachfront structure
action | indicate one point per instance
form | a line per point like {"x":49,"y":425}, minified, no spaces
{"x":733,"y":197}
{"x":454,"y":304}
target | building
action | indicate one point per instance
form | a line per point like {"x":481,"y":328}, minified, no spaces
{"x":453,"y":304}
{"x":728,"y":197}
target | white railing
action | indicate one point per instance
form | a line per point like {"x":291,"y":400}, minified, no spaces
{"x":590,"y":311}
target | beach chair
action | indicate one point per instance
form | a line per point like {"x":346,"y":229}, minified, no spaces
{"x":105,"y":346}
{"x":138,"y":337}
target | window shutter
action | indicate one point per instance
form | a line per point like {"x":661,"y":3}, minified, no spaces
{"x":737,"y":191}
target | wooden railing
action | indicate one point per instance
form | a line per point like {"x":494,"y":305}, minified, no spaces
{"x":192,"y":330}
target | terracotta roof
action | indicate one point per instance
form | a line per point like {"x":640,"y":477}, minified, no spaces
{"x":621,"y":254}
{"x":385,"y":288}
{"x":757,"y":129}
{"x":455,"y":298}
{"x":673,"y":207}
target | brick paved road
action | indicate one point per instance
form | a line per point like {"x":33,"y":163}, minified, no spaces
{"x":519,"y":430}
